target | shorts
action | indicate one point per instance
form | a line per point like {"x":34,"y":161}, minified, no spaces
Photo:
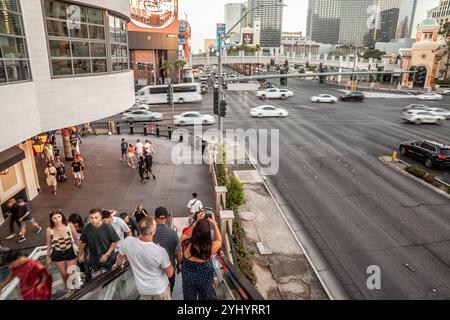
{"x":51,"y":181}
{"x":66,"y":255}
{"x":77,"y":175}
{"x":130,"y":155}
{"x":23,"y":222}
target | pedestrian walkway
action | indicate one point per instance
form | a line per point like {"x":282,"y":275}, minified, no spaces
{"x":110,"y":184}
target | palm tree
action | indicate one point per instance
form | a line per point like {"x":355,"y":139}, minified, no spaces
{"x":179,"y":65}
{"x":445,"y":31}
{"x":167,"y":66}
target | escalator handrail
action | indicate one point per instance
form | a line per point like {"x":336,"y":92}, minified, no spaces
{"x":99,"y":282}
{"x":248,"y":289}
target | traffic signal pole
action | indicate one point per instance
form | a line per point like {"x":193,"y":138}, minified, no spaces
{"x":220,"y":89}
{"x":171,"y":104}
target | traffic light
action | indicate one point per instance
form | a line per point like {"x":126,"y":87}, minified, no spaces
{"x":150,"y":67}
{"x":216,"y":101}
{"x":223,"y":108}
{"x":170,"y":95}
{"x":421,"y":75}
{"x":140,"y":65}
{"x":132,"y":65}
{"x":411,"y":75}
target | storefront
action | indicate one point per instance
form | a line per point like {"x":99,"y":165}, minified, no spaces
{"x":18,"y":175}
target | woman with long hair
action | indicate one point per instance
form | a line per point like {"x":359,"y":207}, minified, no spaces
{"x":198,"y":248}
{"x":62,"y":239}
{"x":139,"y":213}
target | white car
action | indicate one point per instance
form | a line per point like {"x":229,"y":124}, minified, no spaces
{"x":274,"y":93}
{"x":429,"y":96}
{"x":440,"y":112}
{"x":416,"y":107}
{"x":138,"y":106}
{"x":446,"y":92}
{"x":328,"y":98}
{"x":422,"y":116}
{"x":268,"y":111}
{"x":193,"y":118}
{"x":142,"y":115}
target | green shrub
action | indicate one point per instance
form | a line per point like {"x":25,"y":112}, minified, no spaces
{"x":429,"y":178}
{"x":443,"y":82}
{"x":243,"y":256}
{"x":235,"y":193}
{"x":419,"y":173}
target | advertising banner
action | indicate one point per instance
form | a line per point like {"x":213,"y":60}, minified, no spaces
{"x":154,"y":16}
{"x":247,"y":38}
{"x":220,"y":30}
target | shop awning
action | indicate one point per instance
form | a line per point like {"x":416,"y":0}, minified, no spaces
{"x":10,"y":157}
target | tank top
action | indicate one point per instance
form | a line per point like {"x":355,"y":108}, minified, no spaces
{"x":61,"y":244}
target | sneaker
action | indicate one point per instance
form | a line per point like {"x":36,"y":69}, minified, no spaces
{"x":22,"y":239}
{"x":147,"y":178}
{"x":38,"y":230}
{"x":154,"y":177}
{"x":11,"y":236}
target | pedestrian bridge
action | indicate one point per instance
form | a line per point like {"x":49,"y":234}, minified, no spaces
{"x":344,"y":62}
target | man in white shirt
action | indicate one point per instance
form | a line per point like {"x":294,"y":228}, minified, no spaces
{"x":194,"y":205}
{"x":149,"y":262}
{"x":118,"y":224}
{"x":139,"y":149}
{"x":149,"y":148}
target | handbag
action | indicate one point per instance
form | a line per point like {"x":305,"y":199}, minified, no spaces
{"x":74,"y":244}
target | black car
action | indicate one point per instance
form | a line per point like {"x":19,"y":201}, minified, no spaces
{"x":433,"y":154}
{"x":353,"y":96}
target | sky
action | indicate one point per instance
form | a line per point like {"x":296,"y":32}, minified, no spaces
{"x":204,"y":14}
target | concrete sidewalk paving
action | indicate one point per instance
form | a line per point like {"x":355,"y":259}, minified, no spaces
{"x":111,"y":184}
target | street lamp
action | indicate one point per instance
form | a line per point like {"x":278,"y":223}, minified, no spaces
{"x":38,"y":144}
{"x":223,"y":36}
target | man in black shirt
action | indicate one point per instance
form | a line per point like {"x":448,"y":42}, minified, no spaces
{"x":76,"y":169}
{"x":101,"y":239}
{"x":148,"y":166}
{"x":13,"y":214}
{"x":124,"y":149}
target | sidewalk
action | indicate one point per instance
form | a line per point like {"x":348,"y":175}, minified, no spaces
{"x":111,"y":184}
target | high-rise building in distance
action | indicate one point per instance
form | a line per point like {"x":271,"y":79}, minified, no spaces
{"x":271,"y":21}
{"x":360,"y":22}
{"x":233,"y":13}
{"x":441,"y":13}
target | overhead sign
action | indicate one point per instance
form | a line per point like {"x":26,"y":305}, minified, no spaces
{"x":153,"y":14}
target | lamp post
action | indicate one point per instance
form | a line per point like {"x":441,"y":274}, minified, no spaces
{"x":221,"y":39}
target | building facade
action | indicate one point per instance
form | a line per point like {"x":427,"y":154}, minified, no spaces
{"x":251,"y":36}
{"x":271,"y":18}
{"x":441,"y":13}
{"x":62,"y":63}
{"x":360,"y":22}
{"x":153,"y":39}
{"x":233,"y":13}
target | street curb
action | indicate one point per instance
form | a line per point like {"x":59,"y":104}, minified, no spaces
{"x":403,"y":172}
{"x":331,"y":285}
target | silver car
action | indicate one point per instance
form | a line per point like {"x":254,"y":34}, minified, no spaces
{"x":142,"y":115}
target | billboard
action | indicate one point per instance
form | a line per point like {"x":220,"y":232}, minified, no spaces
{"x":154,"y":16}
{"x":247,"y":38}
{"x":220,"y":30}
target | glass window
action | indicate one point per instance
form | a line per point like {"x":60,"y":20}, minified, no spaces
{"x":13,"y":47}
{"x":81,"y":66}
{"x":99,"y":65}
{"x":95,"y":16}
{"x":80,"y":49}
{"x":57,"y":28}
{"x":59,"y":48}
{"x":98,"y":50}
{"x":62,"y":67}
{"x":10,"y":23}
{"x":111,"y":21}
{"x":2,"y":72}
{"x":11,"y":5}
{"x":96,"y":32}
{"x":56,"y":9}
{"x":17,"y":70}
{"x":80,"y":31}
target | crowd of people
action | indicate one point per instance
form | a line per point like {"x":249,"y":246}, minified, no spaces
{"x":154,"y":251}
{"x":140,"y":157}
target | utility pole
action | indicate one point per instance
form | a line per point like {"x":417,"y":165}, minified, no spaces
{"x":171,"y":103}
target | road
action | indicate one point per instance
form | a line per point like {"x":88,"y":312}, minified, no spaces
{"x":359,"y":212}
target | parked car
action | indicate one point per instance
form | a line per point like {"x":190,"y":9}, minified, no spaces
{"x":433,"y":153}
{"x":274,"y":93}
{"x":268,"y":111}
{"x":429,"y":96}
{"x":324,"y":98}
{"x":192,"y":118}
{"x":422,"y":116}
{"x":416,"y":107}
{"x":440,"y":112}
{"x":352,"y":96}
{"x":142,"y":115}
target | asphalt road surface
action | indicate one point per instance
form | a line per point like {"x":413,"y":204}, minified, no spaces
{"x":358,"y":211}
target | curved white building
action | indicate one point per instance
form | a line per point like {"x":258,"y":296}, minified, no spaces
{"x":62,"y":63}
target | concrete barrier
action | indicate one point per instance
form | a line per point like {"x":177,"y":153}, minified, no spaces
{"x":243,"y":86}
